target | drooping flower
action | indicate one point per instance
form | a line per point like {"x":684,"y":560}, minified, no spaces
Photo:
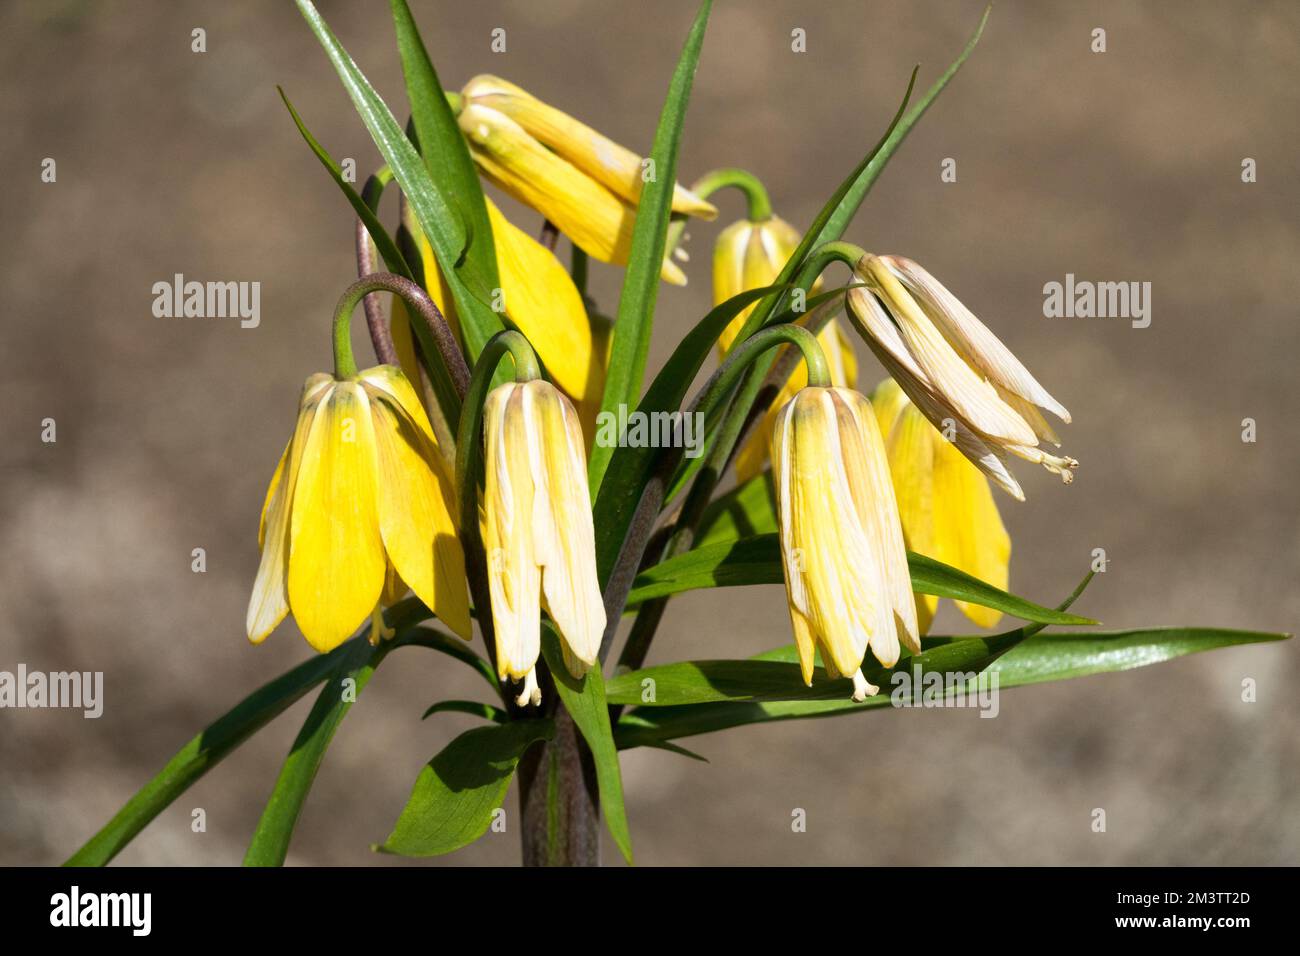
{"x":945,"y":503}
{"x":583,"y":182}
{"x":749,"y":255}
{"x":537,"y":531}
{"x":538,"y":298}
{"x":846,"y":575}
{"x":956,"y":371}
{"x":359,"y":501}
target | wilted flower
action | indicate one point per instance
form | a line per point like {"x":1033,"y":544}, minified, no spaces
{"x":846,"y":574}
{"x":537,"y":531}
{"x":749,"y":255}
{"x":945,"y":503}
{"x":583,"y":182}
{"x":954,"y":369}
{"x":359,"y":499}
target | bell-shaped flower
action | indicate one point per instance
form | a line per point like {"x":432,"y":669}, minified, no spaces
{"x":748,"y":255}
{"x":358,"y":507}
{"x":537,"y":531}
{"x":847,"y":580}
{"x":956,"y":371}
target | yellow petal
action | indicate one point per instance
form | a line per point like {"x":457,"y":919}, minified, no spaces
{"x":968,"y":531}
{"x":616,"y":168}
{"x":544,"y":304}
{"x":269,"y":602}
{"x":595,"y":219}
{"x":336,"y":556}
{"x":415,"y":496}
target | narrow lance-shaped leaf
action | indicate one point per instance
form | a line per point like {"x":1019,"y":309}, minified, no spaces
{"x":1043,"y":657}
{"x":448,"y":230}
{"x":757,"y":560}
{"x":394,"y":261}
{"x":446,"y":157}
{"x":270,"y":843}
{"x":636,"y":303}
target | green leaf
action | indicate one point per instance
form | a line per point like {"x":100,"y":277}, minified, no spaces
{"x":1015,"y":659}
{"x":394,"y":261}
{"x":584,"y":699}
{"x":447,"y":159}
{"x":270,"y":843}
{"x":472,"y":707}
{"x":447,"y":229}
{"x":743,"y":512}
{"x":455,"y":795}
{"x":757,"y":560}
{"x":205,"y":751}
{"x":636,"y":303}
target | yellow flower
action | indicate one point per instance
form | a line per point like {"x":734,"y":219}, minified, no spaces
{"x":537,"y":531}
{"x":945,"y":503}
{"x":540,"y":300}
{"x":956,"y":371}
{"x":750,"y":255}
{"x":360,"y":498}
{"x":584,"y":183}
{"x":846,"y":575}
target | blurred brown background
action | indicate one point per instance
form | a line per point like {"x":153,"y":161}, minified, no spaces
{"x":1117,"y":166}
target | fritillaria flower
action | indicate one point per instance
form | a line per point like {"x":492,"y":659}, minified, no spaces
{"x":583,"y":182}
{"x":945,"y":503}
{"x":750,"y":254}
{"x":537,"y":531}
{"x":846,"y":575}
{"x":956,"y":371}
{"x":359,"y":500}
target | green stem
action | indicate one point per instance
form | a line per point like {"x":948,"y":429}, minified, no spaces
{"x":760,"y":205}
{"x":435,"y":324}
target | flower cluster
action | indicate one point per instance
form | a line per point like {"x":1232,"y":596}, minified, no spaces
{"x":365,"y":503}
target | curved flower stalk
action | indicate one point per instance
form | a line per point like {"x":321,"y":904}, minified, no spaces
{"x":360,"y":498}
{"x":955,"y":370}
{"x":847,"y":581}
{"x":945,"y":503}
{"x":537,"y":532}
{"x":587,"y":185}
{"x":750,"y":254}
{"x":540,"y":299}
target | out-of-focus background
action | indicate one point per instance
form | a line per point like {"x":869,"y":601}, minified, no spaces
{"x":1123,"y":165}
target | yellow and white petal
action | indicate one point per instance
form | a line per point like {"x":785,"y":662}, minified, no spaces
{"x":969,"y":336}
{"x":615,"y":167}
{"x":514,"y":577}
{"x":563,"y":535}
{"x":336,"y":555}
{"x":973,"y":398}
